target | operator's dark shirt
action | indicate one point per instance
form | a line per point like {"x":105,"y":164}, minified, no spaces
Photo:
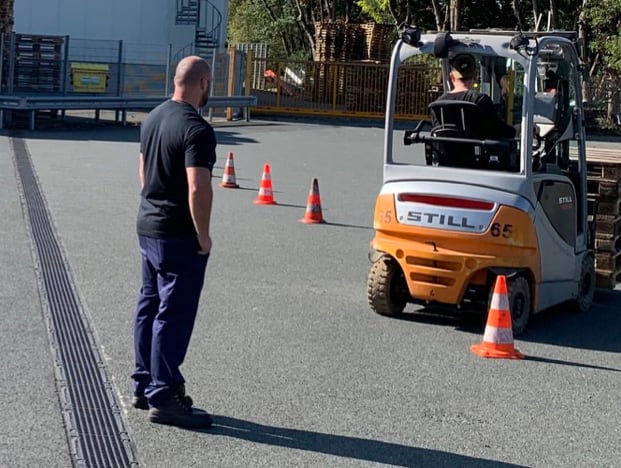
{"x":173,"y":137}
{"x":492,"y":125}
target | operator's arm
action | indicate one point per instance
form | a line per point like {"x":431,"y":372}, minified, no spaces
{"x":141,"y":171}
{"x":200,"y":197}
{"x":497,"y":128}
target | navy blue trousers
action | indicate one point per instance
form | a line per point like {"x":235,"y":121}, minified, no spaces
{"x":173,"y":274}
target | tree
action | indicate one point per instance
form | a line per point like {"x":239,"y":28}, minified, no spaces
{"x":602,"y":23}
{"x":287,"y":25}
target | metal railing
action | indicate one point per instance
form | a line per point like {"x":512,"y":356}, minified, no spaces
{"x":359,"y":89}
{"x":341,"y":89}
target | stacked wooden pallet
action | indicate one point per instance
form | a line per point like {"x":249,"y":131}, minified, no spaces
{"x":38,"y":63}
{"x":329,"y":41}
{"x":603,"y":184}
{"x":378,"y":41}
{"x":6,"y":16}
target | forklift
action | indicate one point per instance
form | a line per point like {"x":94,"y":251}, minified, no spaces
{"x":458,"y":208}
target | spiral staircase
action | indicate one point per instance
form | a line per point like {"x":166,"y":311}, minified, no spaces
{"x":207,"y":20}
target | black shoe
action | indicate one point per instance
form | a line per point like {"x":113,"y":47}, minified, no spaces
{"x":176,"y":412}
{"x":141,"y":401}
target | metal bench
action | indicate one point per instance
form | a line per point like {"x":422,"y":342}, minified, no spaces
{"x":120,"y":104}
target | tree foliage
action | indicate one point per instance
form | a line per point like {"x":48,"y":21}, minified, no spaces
{"x":288,"y":26}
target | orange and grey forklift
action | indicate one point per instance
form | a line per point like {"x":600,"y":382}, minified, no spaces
{"x":458,"y":208}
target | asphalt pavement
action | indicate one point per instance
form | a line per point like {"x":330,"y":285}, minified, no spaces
{"x":286,"y":353}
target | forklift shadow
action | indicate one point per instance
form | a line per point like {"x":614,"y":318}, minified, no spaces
{"x":469,"y":321}
{"x":596,"y":330}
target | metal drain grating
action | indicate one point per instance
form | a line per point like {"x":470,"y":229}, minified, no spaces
{"x":95,"y":429}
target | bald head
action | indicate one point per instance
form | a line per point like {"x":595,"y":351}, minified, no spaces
{"x":191,"y":70}
{"x":192,"y":81}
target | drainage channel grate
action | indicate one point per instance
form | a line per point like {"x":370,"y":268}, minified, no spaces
{"x":95,"y":429}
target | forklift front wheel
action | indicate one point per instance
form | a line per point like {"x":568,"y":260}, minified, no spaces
{"x":387,"y":290}
{"x":519,"y":303}
{"x":586,"y":288}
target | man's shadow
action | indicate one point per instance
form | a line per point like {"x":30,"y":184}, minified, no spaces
{"x":343,"y":446}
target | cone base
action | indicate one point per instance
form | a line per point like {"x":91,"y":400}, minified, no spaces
{"x":265,"y":202}
{"x":486,"y":352}
{"x":228,"y":185}
{"x":312,"y":221}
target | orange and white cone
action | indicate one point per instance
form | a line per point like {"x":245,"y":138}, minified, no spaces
{"x":228,"y":177}
{"x":266,"y":195}
{"x":498,"y":336}
{"x":313,"y":213}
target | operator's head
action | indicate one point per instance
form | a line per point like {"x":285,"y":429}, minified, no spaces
{"x":463,"y":67}
{"x":193,"y":80}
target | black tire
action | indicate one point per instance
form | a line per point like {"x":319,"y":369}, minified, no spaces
{"x":586,"y":288}
{"x":520,"y":303}
{"x":387,"y":290}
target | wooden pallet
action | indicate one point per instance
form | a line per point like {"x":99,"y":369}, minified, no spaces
{"x":603,"y":189}
{"x":603,"y":185}
{"x":607,"y":279}
{"x":608,"y":244}
{"x":608,"y":261}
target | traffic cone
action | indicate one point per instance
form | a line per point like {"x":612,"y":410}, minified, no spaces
{"x":313,"y":206}
{"x":228,"y":177}
{"x":266,"y":196}
{"x":498,"y":335}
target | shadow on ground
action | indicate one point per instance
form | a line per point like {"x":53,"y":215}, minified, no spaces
{"x":599,"y":329}
{"x":356,"y":448}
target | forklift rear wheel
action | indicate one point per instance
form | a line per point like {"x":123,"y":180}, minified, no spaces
{"x":586,"y":288}
{"x":387,"y":290}
{"x":519,"y":303}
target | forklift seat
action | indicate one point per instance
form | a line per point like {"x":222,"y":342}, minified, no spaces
{"x":463,"y":120}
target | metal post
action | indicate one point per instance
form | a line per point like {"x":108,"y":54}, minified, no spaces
{"x":65,"y":67}
{"x":168,"y":59}
{"x":119,"y":80}
{"x":12,"y":64}
{"x":213,"y":77}
{"x":335,"y":77}
{"x":248,"y":83}
{"x":1,"y":66}
{"x":231,"y":83}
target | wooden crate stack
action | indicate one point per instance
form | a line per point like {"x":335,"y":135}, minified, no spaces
{"x":603,"y":184}
{"x":378,"y":41}
{"x":329,"y":40}
{"x":6,"y":16}
{"x":38,"y":63}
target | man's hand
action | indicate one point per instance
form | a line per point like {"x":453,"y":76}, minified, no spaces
{"x":205,"y":243}
{"x":504,"y":86}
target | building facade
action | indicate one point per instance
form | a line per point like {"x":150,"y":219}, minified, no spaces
{"x":180,"y":24}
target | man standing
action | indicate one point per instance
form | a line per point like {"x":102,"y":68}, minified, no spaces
{"x":463,"y":73}
{"x":177,"y":154}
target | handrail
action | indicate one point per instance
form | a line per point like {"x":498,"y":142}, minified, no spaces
{"x":31,"y":104}
{"x":209,"y":21}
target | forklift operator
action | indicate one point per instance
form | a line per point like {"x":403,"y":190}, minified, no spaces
{"x":463,"y":72}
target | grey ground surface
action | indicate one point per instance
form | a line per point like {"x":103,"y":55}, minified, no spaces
{"x":286,"y":352}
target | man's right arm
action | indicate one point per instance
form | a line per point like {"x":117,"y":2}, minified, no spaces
{"x":141,"y":171}
{"x":200,"y":198}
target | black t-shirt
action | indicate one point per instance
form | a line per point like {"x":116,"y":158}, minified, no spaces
{"x":493,"y":125}
{"x":173,"y":137}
